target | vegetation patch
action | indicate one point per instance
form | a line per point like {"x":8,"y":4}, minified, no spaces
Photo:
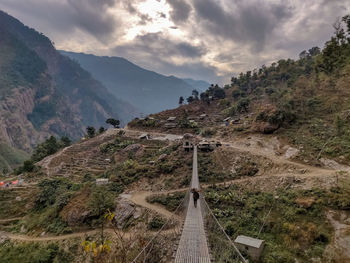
{"x":33,"y":253}
{"x":170,"y":201}
{"x":293,"y":223}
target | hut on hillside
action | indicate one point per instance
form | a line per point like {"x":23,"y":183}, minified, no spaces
{"x":252,"y":246}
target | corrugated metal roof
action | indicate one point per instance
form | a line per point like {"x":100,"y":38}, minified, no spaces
{"x":249,"y":241}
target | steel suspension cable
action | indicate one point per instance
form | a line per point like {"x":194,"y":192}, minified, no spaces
{"x":161,"y":229}
{"x":223,"y":230}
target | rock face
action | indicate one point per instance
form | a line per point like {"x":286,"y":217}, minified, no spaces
{"x":291,"y":152}
{"x":265,"y":127}
{"x":3,"y":237}
{"x":45,"y":93}
{"x":76,"y":211}
{"x":133,"y":149}
{"x":123,"y":212}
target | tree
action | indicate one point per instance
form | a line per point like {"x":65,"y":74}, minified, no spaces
{"x":28,"y":166}
{"x":314,"y":51}
{"x":181,"y":100}
{"x":205,"y":97}
{"x":243,"y":105}
{"x":115,"y":123}
{"x":51,"y":145}
{"x":65,"y":141}
{"x":190,"y":99}
{"x":218,"y":92}
{"x":101,"y":130}
{"x":90,"y":131}
{"x":100,"y":202}
{"x":195,"y":94}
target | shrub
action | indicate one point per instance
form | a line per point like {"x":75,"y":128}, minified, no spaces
{"x":207,"y":132}
{"x":243,"y":105}
{"x":236,"y":93}
{"x":31,"y":253}
{"x":57,"y":226}
{"x":224,"y":103}
{"x":165,"y":168}
{"x":156,"y":223}
{"x":100,"y":201}
{"x":49,"y":190}
{"x":170,"y":201}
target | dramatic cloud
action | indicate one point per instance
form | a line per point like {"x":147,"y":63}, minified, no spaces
{"x":180,"y":10}
{"x":90,"y":16}
{"x":205,"y":39}
{"x":248,"y":22}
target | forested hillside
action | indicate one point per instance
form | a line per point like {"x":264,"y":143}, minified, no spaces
{"x":44,"y":93}
{"x":150,"y":91}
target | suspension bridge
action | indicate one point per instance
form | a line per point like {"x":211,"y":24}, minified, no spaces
{"x":202,"y":238}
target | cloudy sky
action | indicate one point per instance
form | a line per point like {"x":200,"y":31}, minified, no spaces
{"x":202,"y":39}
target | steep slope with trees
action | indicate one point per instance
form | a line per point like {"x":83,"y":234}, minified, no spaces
{"x":44,"y":93}
{"x":150,"y":91}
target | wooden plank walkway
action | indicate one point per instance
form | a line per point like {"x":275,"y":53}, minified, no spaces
{"x":193,"y":246}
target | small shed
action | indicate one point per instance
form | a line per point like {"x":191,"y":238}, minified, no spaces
{"x":203,"y":116}
{"x":170,"y":125}
{"x":252,"y":246}
{"x":144,"y":136}
{"x":171,"y":119}
{"x":101,"y":181}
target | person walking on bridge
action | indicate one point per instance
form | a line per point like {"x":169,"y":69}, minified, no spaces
{"x":195,"y":193}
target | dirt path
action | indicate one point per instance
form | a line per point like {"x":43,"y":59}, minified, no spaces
{"x":53,"y":238}
{"x":10,"y":219}
{"x":140,"y":198}
{"x":240,"y":146}
{"x":82,"y":234}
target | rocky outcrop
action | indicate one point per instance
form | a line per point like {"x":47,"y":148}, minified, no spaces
{"x":44,"y":93}
{"x":15,"y":128}
{"x":76,"y":211}
{"x":265,"y":127}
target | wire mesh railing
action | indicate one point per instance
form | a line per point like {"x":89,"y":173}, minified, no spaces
{"x":222,"y":248}
{"x":161,"y":246}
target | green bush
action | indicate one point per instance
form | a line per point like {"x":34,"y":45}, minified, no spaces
{"x":236,"y":93}
{"x":50,"y":190}
{"x":243,"y":105}
{"x":156,"y":223}
{"x":170,"y":201}
{"x":33,"y":253}
{"x":57,"y":226}
{"x":208,"y":132}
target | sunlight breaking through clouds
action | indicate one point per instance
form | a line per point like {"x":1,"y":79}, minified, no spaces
{"x":218,"y":37}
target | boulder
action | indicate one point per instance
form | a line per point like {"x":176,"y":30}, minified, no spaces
{"x":134,"y":148}
{"x":3,"y":237}
{"x":162,"y":157}
{"x":123,"y":212}
{"x":265,"y":127}
{"x":291,"y":152}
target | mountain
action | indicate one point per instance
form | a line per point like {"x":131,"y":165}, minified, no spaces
{"x":199,"y":85}
{"x":44,"y":93}
{"x":150,"y":91}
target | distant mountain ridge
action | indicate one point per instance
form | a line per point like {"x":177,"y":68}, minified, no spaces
{"x":151,"y":92}
{"x":44,"y":93}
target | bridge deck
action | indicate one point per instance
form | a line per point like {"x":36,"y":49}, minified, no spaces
{"x":193,"y":247}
